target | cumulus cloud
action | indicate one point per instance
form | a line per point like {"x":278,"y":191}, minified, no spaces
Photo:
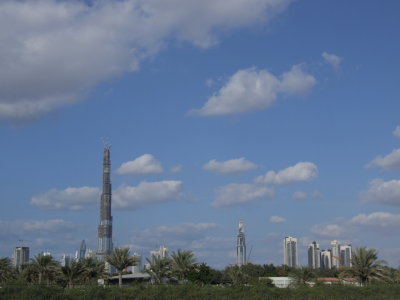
{"x":388,"y":162}
{"x":145,"y":164}
{"x":379,"y":222}
{"x":277,"y":219}
{"x":238,"y":194}
{"x":147,"y":193}
{"x":332,"y":60}
{"x":250,"y":89}
{"x":27,"y":227}
{"x":53,"y":52}
{"x":302,"y":171}
{"x":233,"y":166}
{"x":396,"y":132}
{"x":299,"y":195}
{"x":70,"y":198}
{"x":382,"y":192}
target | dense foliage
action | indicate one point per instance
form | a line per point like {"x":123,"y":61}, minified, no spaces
{"x":180,"y":276}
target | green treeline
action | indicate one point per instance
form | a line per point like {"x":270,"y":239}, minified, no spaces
{"x":181,"y":277}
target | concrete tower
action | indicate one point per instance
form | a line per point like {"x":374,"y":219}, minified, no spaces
{"x":241,"y":246}
{"x":105,"y":245}
{"x":20,"y":256}
{"x":82,"y":251}
{"x":290,"y":255}
{"x":314,"y":256}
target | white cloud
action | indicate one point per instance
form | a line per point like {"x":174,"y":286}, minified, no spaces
{"x":233,"y":166}
{"x":53,"y":52}
{"x":382,"y":192}
{"x":176,"y":169}
{"x":396,"y":132}
{"x":239,"y":194}
{"x":388,"y":162}
{"x":380,"y":222}
{"x":299,"y":195}
{"x":69,"y":198}
{"x":145,"y":164}
{"x":34,"y":227}
{"x":251,"y":89}
{"x":146,"y":193}
{"x":333,"y":60}
{"x":302,"y":171}
{"x":277,"y":219}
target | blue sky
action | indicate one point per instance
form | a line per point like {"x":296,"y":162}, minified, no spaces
{"x":282,"y":113}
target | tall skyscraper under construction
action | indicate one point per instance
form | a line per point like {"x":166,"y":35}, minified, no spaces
{"x":241,"y":246}
{"x":105,"y":245}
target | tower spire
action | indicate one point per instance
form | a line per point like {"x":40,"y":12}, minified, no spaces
{"x":105,"y":244}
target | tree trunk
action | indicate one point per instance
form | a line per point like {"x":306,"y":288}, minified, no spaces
{"x":40,"y":277}
{"x":120,"y":278}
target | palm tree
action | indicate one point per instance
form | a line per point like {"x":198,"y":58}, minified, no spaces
{"x":92,"y":269}
{"x":160,"y":267}
{"x":45,"y":266}
{"x":366,"y":266}
{"x":71,"y":272}
{"x":302,"y":275}
{"x":182,"y":262}
{"x":7,"y":271}
{"x":121,"y":259}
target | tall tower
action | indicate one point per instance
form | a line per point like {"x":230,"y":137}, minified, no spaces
{"x":290,"y":257}
{"x":335,"y":254}
{"x":20,"y":256}
{"x":82,"y":251}
{"x":314,"y":257}
{"x":241,"y":246}
{"x":105,"y":245}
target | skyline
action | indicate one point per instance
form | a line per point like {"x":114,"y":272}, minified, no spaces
{"x":281,"y":113}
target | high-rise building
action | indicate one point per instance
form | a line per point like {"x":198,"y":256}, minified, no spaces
{"x":20,"y":256}
{"x":314,"y":256}
{"x":105,"y":245}
{"x":335,"y":254}
{"x":345,"y":256}
{"x":66,"y":260}
{"x":326,"y":259}
{"x":82,"y":251}
{"x":138,"y":266}
{"x":162,"y":252}
{"x":290,"y":255}
{"x":241,"y":246}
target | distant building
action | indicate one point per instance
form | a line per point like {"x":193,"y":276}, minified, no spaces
{"x":66,"y":260}
{"x":345,"y":256}
{"x":290,"y":254}
{"x":241,"y":246}
{"x":326,"y":259}
{"x":82,"y":251}
{"x":335,"y":254}
{"x":20,"y":256}
{"x":104,"y":230}
{"x":314,"y":256}
{"x":162,"y":252}
{"x":138,"y":267}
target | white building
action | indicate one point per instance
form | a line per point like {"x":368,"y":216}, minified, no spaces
{"x":314,"y":256}
{"x":20,"y":256}
{"x":335,"y":254}
{"x":160,"y":253}
{"x":138,"y":267}
{"x":326,"y":260}
{"x":345,"y":256}
{"x":290,"y":254}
